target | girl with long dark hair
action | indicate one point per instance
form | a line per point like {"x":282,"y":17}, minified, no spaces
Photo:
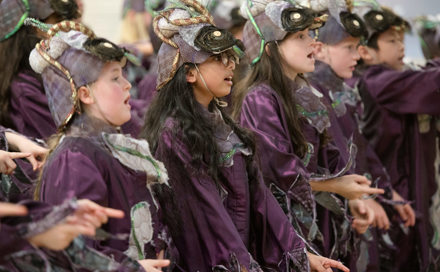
{"x":229,"y":219}
{"x":290,"y":123}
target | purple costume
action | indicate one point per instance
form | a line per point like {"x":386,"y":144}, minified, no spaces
{"x":84,"y":165}
{"x":17,"y":254}
{"x":348,"y":108}
{"x":393,"y":99}
{"x":262,"y":111}
{"x":233,"y":225}
{"x":29,"y":109}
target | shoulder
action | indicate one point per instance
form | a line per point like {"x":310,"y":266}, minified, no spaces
{"x":27,"y":82}
{"x":261,"y":95}
{"x":261,"y":90}
{"x":74,"y":150}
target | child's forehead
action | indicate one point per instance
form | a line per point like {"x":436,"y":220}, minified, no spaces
{"x":112,"y":66}
{"x":349,"y":40}
{"x":392,"y":32}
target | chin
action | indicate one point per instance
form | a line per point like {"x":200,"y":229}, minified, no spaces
{"x":346,"y":75}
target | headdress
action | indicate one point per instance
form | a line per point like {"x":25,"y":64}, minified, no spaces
{"x":377,"y":18}
{"x":14,"y":12}
{"x":428,"y":29}
{"x":189,"y":36}
{"x":226,"y":13}
{"x":342,"y":23}
{"x":72,"y":57}
{"x":270,"y":20}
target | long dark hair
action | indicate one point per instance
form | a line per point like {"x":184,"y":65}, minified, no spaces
{"x":14,"y":57}
{"x":176,"y":99}
{"x":270,"y":71}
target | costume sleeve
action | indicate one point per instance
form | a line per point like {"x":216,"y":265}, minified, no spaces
{"x":30,"y":113}
{"x":405,"y":92}
{"x":42,"y":217}
{"x":14,"y":231}
{"x":279,"y":165}
{"x":207,"y":238}
{"x":11,"y":241}
{"x":73,"y":174}
{"x":278,"y":244}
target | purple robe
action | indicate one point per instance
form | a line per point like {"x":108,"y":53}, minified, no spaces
{"x":263,"y":113}
{"x":17,"y":254}
{"x":345,"y":122}
{"x":284,"y":173}
{"x":29,"y":107}
{"x":234,"y":225}
{"x":393,"y":99}
{"x":348,"y":110}
{"x":83,"y":166}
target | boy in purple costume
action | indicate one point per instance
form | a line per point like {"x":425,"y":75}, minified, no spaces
{"x":394,"y":99}
{"x":336,"y":51}
{"x":89,"y":101}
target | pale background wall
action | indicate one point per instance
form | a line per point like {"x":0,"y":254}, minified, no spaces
{"x":104,"y":17}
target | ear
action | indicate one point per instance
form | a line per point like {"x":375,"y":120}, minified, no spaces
{"x":318,"y":50}
{"x":365,"y":53}
{"x":266,"y":48}
{"x":85,"y":95}
{"x":191,"y":75}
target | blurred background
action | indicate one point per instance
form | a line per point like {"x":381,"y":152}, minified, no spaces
{"x":105,"y":16}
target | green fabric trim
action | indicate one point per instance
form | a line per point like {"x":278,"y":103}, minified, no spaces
{"x":336,"y":103}
{"x":20,"y":23}
{"x":311,"y":114}
{"x":231,"y":153}
{"x":133,"y":232}
{"x":263,"y":41}
{"x":137,"y":154}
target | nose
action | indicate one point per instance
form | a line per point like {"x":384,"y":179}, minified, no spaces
{"x":356,"y":55}
{"x":127,"y":85}
{"x":231,"y":64}
{"x":402,"y":45}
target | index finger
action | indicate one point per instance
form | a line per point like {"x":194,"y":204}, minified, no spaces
{"x":374,"y":191}
{"x":8,"y":209}
{"x":18,"y":155}
{"x":335,"y":264}
{"x":114,"y":213}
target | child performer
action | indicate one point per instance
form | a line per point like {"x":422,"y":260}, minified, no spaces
{"x":33,"y":233}
{"x":23,"y":105}
{"x":229,"y":219}
{"x":394,"y":101}
{"x":336,"y":54}
{"x":88,"y":98}
{"x":280,"y":48}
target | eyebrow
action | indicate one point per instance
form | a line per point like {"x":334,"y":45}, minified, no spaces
{"x":114,"y":70}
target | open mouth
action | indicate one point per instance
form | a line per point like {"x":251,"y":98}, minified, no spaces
{"x":127,"y":100}
{"x":228,"y":79}
{"x":310,"y":56}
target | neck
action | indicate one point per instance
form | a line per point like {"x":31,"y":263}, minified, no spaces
{"x":202,"y":97}
{"x":291,"y":75}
